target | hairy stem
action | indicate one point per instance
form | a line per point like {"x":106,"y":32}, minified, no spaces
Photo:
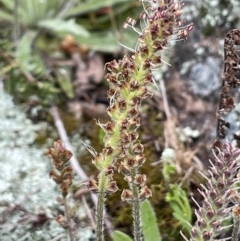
{"x":137,"y":227}
{"x":100,"y":216}
{"x":103,"y":181}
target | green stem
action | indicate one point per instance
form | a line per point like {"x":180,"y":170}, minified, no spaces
{"x":137,"y":227}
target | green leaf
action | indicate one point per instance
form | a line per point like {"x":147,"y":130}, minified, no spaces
{"x":175,"y":207}
{"x":23,"y":52}
{"x":149,"y":222}
{"x":104,"y":41}
{"x":29,"y":61}
{"x":119,"y":236}
{"x":64,"y":26}
{"x":64,"y":80}
{"x":177,"y":199}
{"x":184,"y":222}
{"x":6,"y":16}
{"x":8,"y":4}
{"x":94,"y":5}
{"x":168,"y":170}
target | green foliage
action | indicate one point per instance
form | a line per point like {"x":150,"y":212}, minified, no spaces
{"x":178,"y":200}
{"x":103,"y":41}
{"x":35,"y":28}
{"x":168,"y":163}
{"x":149,"y":222}
{"x":64,"y":27}
{"x":64,"y":80}
{"x":176,"y":196}
{"x":119,"y":236}
{"x":93,"y":5}
{"x":31,"y":12}
{"x":149,"y":225}
{"x":29,"y":61}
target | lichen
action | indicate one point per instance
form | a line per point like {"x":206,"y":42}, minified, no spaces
{"x":24,"y":182}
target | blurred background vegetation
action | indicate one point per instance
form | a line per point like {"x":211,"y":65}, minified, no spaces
{"x":52,"y":53}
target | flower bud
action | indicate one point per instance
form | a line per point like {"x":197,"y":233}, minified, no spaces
{"x":67,"y":173}
{"x":97,"y":161}
{"x":64,"y":186}
{"x":140,"y":159}
{"x":127,"y":195}
{"x":140,"y":180}
{"x":124,"y":169}
{"x":130,"y":162}
{"x":58,"y":145}
{"x":145,"y":193}
{"x":52,"y":153}
{"x":92,"y":185}
{"x":138,"y":148}
{"x":56,"y":176}
{"x":207,"y":235}
{"x":109,"y":171}
{"x":236,"y":212}
{"x":107,"y":151}
{"x":112,"y":187}
{"x":62,"y":221}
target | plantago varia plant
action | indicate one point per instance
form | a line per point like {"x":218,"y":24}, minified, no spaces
{"x":128,"y":81}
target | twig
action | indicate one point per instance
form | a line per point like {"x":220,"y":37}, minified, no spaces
{"x":63,"y":135}
{"x":165,"y":100}
{"x":69,"y":229}
{"x":88,"y":213}
{"x":169,"y":123}
{"x":74,"y":162}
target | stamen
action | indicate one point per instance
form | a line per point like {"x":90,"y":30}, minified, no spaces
{"x":185,"y":238}
{"x":130,"y":49}
{"x":89,"y":148}
{"x":196,"y":202}
{"x":156,"y":65}
{"x":144,"y":8}
{"x":154,"y":82}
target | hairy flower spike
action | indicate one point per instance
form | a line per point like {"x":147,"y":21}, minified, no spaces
{"x":128,"y":80}
{"x":63,"y":175}
{"x":217,"y":194}
{"x":230,"y":81}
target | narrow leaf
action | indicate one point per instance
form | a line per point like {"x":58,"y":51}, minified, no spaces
{"x":64,"y":80}
{"x":119,"y":236}
{"x":105,"y":42}
{"x":8,"y":4}
{"x":23,"y":52}
{"x":94,"y":5}
{"x":184,"y":222}
{"x":66,"y":26}
{"x":149,"y":221}
{"x":6,"y":16}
